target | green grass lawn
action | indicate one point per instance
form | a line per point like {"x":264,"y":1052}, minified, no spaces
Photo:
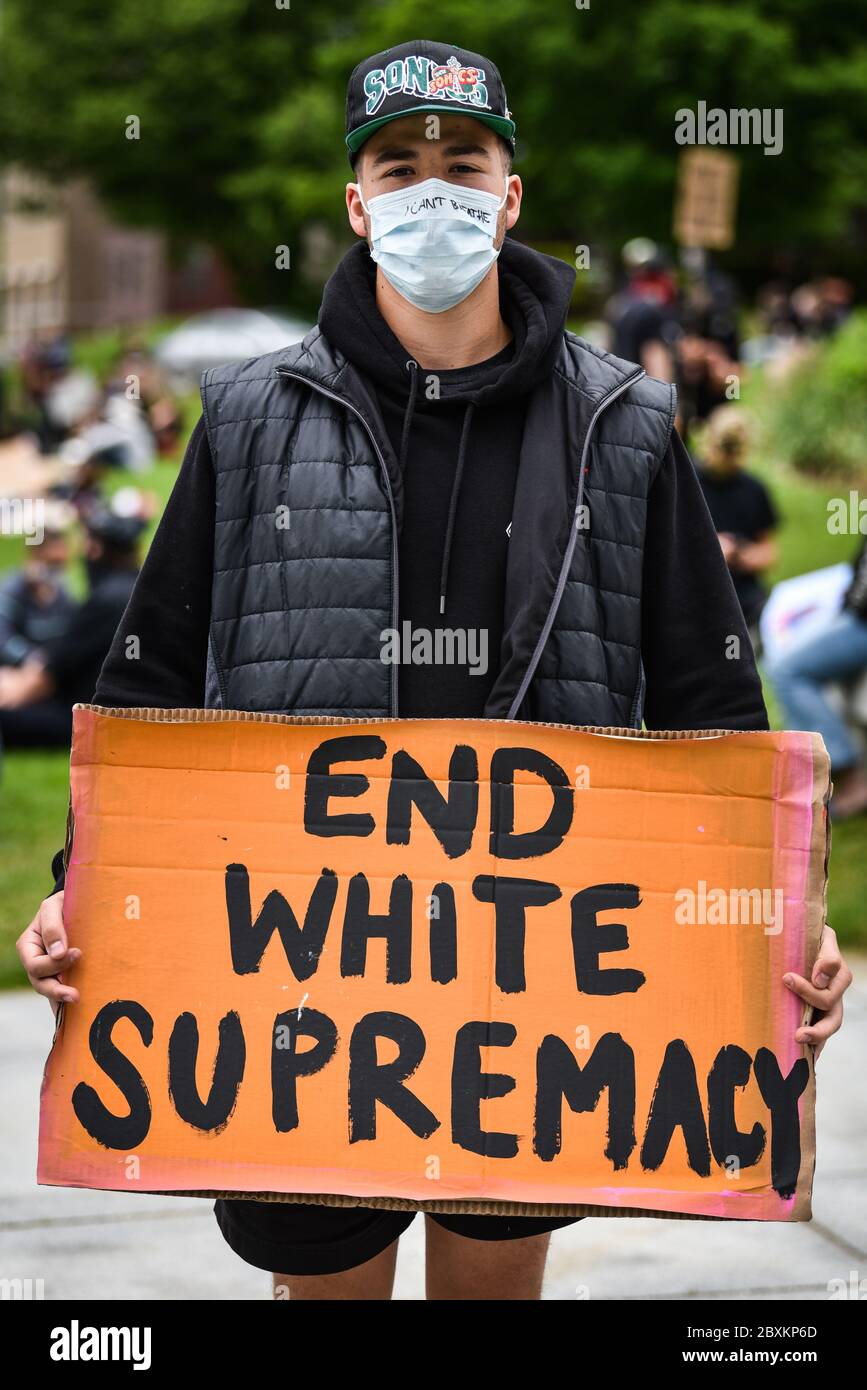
{"x":33,"y":798}
{"x":34,"y":786}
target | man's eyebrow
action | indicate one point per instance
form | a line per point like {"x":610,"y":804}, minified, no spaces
{"x":387,"y":155}
{"x":466,"y":149}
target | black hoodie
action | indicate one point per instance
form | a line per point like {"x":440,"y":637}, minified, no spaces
{"x":687,"y":600}
{"x":457,"y":435}
{"x":688,"y":597}
{"x":459,"y":515}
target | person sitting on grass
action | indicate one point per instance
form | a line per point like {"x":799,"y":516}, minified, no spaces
{"x":36,"y":698}
{"x":800,"y":679}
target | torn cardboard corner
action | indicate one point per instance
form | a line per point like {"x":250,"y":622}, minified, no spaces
{"x":453,"y":965}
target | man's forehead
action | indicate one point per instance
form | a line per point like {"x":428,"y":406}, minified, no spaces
{"x":414,"y":131}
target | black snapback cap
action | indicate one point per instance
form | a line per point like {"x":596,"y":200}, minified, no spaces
{"x":424,"y":76}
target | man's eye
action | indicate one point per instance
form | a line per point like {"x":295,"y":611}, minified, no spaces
{"x":464,"y":169}
{"x":402,"y":172}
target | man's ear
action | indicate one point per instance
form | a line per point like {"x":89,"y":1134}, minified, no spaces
{"x":512,"y":208}
{"x":354,"y":210}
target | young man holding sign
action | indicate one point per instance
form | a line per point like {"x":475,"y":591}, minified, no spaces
{"x":440,"y":505}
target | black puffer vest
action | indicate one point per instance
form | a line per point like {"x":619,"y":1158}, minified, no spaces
{"x":309,"y":506}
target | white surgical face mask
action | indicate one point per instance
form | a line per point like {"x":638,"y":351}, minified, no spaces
{"x":434,"y":242}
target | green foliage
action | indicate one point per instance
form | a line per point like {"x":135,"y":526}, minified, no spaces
{"x":241,"y":110}
{"x":815,"y":417}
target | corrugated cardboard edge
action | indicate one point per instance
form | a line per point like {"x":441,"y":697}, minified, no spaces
{"x":155,"y":715}
{"x":817,"y":910}
{"x":451,"y":1208}
{"x":817,"y":902}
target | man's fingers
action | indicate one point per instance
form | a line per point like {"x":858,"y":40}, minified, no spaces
{"x":49,"y":923}
{"x":41,"y":966}
{"x":818,"y":1033}
{"x":29,"y":945}
{"x":830,"y":978}
{"x":56,"y":990}
{"x":823,"y":999}
{"x":46,"y":955}
{"x":830,"y":968}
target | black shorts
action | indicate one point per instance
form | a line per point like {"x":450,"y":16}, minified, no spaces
{"x":305,"y":1238}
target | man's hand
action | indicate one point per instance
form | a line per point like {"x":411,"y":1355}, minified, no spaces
{"x":830,"y":980}
{"x":46,"y":954}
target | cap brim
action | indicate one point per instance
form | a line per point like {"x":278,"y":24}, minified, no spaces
{"x":501,"y":124}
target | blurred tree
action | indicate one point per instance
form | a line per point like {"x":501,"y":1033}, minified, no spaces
{"x":241,"y":111}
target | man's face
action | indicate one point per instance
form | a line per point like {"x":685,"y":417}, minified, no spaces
{"x":402,"y":153}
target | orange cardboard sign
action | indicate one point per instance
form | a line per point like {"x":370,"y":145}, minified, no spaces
{"x":450,"y":964}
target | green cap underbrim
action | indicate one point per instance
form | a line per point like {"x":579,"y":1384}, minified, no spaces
{"x":356,"y":138}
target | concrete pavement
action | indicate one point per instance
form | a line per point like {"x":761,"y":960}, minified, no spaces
{"x":93,"y":1245}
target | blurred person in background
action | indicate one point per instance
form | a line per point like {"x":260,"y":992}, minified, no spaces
{"x":710,"y":302}
{"x":138,"y":401}
{"x":703,"y":371}
{"x":643,"y":318}
{"x":157,"y":399}
{"x":821,"y":306}
{"x":741,"y":509}
{"x":707,"y":351}
{"x":777,"y":334}
{"x":44,"y":367}
{"x":801,"y":676}
{"x":81,"y":482}
{"x":36,"y":698}
{"x":35,"y":604}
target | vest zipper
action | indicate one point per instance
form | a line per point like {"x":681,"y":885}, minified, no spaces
{"x":341,"y":400}
{"x":570,"y":548}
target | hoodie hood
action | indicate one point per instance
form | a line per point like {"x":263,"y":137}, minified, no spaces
{"x":535,"y":291}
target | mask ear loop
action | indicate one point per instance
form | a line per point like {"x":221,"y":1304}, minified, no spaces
{"x":357,"y":188}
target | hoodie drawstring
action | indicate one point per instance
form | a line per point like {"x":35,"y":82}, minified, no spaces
{"x":412,"y":368}
{"x":453,"y":506}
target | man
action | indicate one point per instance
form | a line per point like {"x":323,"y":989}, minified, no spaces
{"x":643,"y":318}
{"x":36,"y":698}
{"x":740,"y":507}
{"x":437,"y":453}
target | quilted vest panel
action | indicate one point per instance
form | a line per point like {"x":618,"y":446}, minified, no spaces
{"x":304,"y":542}
{"x":591,"y":662}
{"x":302,"y":554}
